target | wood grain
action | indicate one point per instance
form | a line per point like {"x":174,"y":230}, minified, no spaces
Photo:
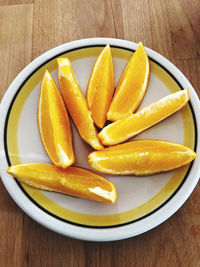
{"x":185,"y":33}
{"x":15,"y":53}
{"x":16,"y":41}
{"x":29,"y":28}
{"x":15,"y":2}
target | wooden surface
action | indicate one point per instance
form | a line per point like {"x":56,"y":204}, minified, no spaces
{"x":29,"y":28}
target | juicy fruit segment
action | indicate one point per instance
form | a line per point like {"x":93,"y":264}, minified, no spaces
{"x":77,"y":104}
{"x":134,"y":124}
{"x":54,"y":125}
{"x":131,"y":87}
{"x":141,"y":157}
{"x":72,"y":181}
{"x":101,"y":87}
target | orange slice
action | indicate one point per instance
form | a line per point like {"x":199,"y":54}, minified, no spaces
{"x":141,"y":157}
{"x":72,"y":181}
{"x":131,"y":87}
{"x":101,"y":87}
{"x":54,"y":125}
{"x":77,"y":104}
{"x":134,"y":124}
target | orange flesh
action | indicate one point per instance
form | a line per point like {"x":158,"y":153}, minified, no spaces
{"x":132,"y":125}
{"x":73,"y":181}
{"x":54,"y":125}
{"x":101,"y":87}
{"x":131,"y":87}
{"x":77,"y":104}
{"x":141,"y":157}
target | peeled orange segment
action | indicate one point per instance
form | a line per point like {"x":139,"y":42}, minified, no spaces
{"x":72,"y":181}
{"x":134,"y":124}
{"x":77,"y":104}
{"x":131,"y":87}
{"x":54,"y":125}
{"x":101,"y":87}
{"x":143,"y":157}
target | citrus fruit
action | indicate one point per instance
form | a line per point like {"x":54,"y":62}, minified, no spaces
{"x":101,"y":87}
{"x":131,"y":87}
{"x":134,"y":124}
{"x":141,"y":157}
{"x":77,"y":104}
{"x":72,"y":181}
{"x":54,"y":125}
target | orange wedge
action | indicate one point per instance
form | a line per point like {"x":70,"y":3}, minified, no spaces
{"x":77,"y":104}
{"x":134,"y":124}
{"x":131,"y":87}
{"x":141,"y":157}
{"x":54,"y":125}
{"x":101,"y":87}
{"x":72,"y":181}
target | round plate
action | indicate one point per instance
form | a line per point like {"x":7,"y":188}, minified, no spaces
{"x":142,"y":202}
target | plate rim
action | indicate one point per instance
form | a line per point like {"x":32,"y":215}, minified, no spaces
{"x":88,"y":233}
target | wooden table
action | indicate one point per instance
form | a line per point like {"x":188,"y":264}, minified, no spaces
{"x":27,"y":29}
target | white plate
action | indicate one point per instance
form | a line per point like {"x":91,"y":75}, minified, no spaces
{"x":143,"y":202}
